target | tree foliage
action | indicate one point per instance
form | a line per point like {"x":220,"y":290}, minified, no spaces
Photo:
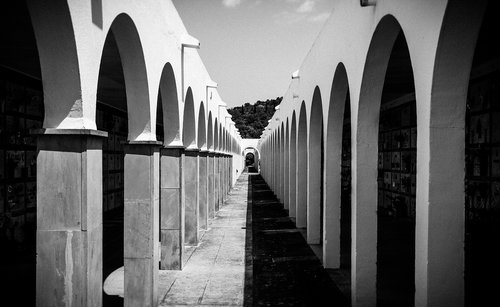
{"x":251,"y":119}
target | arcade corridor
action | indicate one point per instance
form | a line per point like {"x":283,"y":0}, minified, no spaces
{"x":251,"y":255}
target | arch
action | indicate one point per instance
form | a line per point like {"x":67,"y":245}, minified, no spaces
{"x":216,"y":135}
{"x":223,"y":138}
{"x":439,"y":258}
{"x":257,"y":151}
{"x":210,"y":133}
{"x":315,"y":171}
{"x":293,"y":167}
{"x":333,"y":182}
{"x":62,"y":89}
{"x":388,"y":74}
{"x":365,"y":152}
{"x":189,"y":122}
{"x":286,"y":170}
{"x":221,"y":141}
{"x":281,"y":171}
{"x":135,"y":76}
{"x":202,"y":129}
{"x":276,"y":164}
{"x":302,"y":168}
{"x":170,"y":107}
{"x":282,"y":162}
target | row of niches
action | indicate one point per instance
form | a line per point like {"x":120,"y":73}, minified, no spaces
{"x":482,"y":200}
{"x":483,"y":111}
{"x":402,"y":161}
{"x":397,"y":158}
{"x":398,"y":139}
{"x":112,"y":200}
{"x":484,"y":94}
{"x":484,"y":162}
{"x":398,"y":114}
{"x":17,"y":198}
{"x":482,"y":151}
{"x":113,"y":182}
{"x":21,"y":109}
{"x":395,"y":205}
{"x":114,"y":122}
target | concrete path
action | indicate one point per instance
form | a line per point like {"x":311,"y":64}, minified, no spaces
{"x":251,"y":255}
{"x":214,"y":274}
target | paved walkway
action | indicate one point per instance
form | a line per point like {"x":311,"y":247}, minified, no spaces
{"x":214,"y":274}
{"x":286,"y":271}
{"x":249,"y":256}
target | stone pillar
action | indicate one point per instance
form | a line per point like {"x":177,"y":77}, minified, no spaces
{"x":203,"y":190}
{"x":211,"y":185}
{"x":69,"y":217}
{"x":222,"y":168}
{"x":191,"y":180}
{"x":226,"y":176}
{"x":231,"y":170}
{"x":225,"y":170}
{"x":217,"y":181}
{"x":221,"y":180}
{"x":141,"y":222}
{"x":172,"y":208}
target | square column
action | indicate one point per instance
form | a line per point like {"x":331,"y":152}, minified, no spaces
{"x":226,"y":177}
{"x":216,"y":182}
{"x":223,"y":177}
{"x":69,"y":217}
{"x":220,"y":163}
{"x":141,"y":215}
{"x":203,"y":190}
{"x":191,"y":198}
{"x":211,"y":185}
{"x":172,"y":208}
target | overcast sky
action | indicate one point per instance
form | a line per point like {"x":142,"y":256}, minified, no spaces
{"x":251,"y":47}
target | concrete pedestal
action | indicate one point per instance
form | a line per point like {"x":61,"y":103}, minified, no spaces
{"x":211,"y":185}
{"x":69,"y":217}
{"x":141,"y":233}
{"x":203,"y":190}
{"x":191,"y":180}
{"x":172,"y":208}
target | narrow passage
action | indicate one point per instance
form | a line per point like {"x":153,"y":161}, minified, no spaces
{"x":251,"y":255}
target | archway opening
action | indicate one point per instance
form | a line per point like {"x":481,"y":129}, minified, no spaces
{"x":302,"y":148}
{"x":397,"y":181}
{"x":21,"y":109}
{"x":249,"y":159}
{"x":337,"y":243}
{"x":293,"y":168}
{"x":168,"y":107}
{"x":482,"y":156}
{"x":112,"y":117}
{"x":345,"y":197}
{"x":315,"y":175}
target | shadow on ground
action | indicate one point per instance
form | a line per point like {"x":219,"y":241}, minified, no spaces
{"x":282,"y":270}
